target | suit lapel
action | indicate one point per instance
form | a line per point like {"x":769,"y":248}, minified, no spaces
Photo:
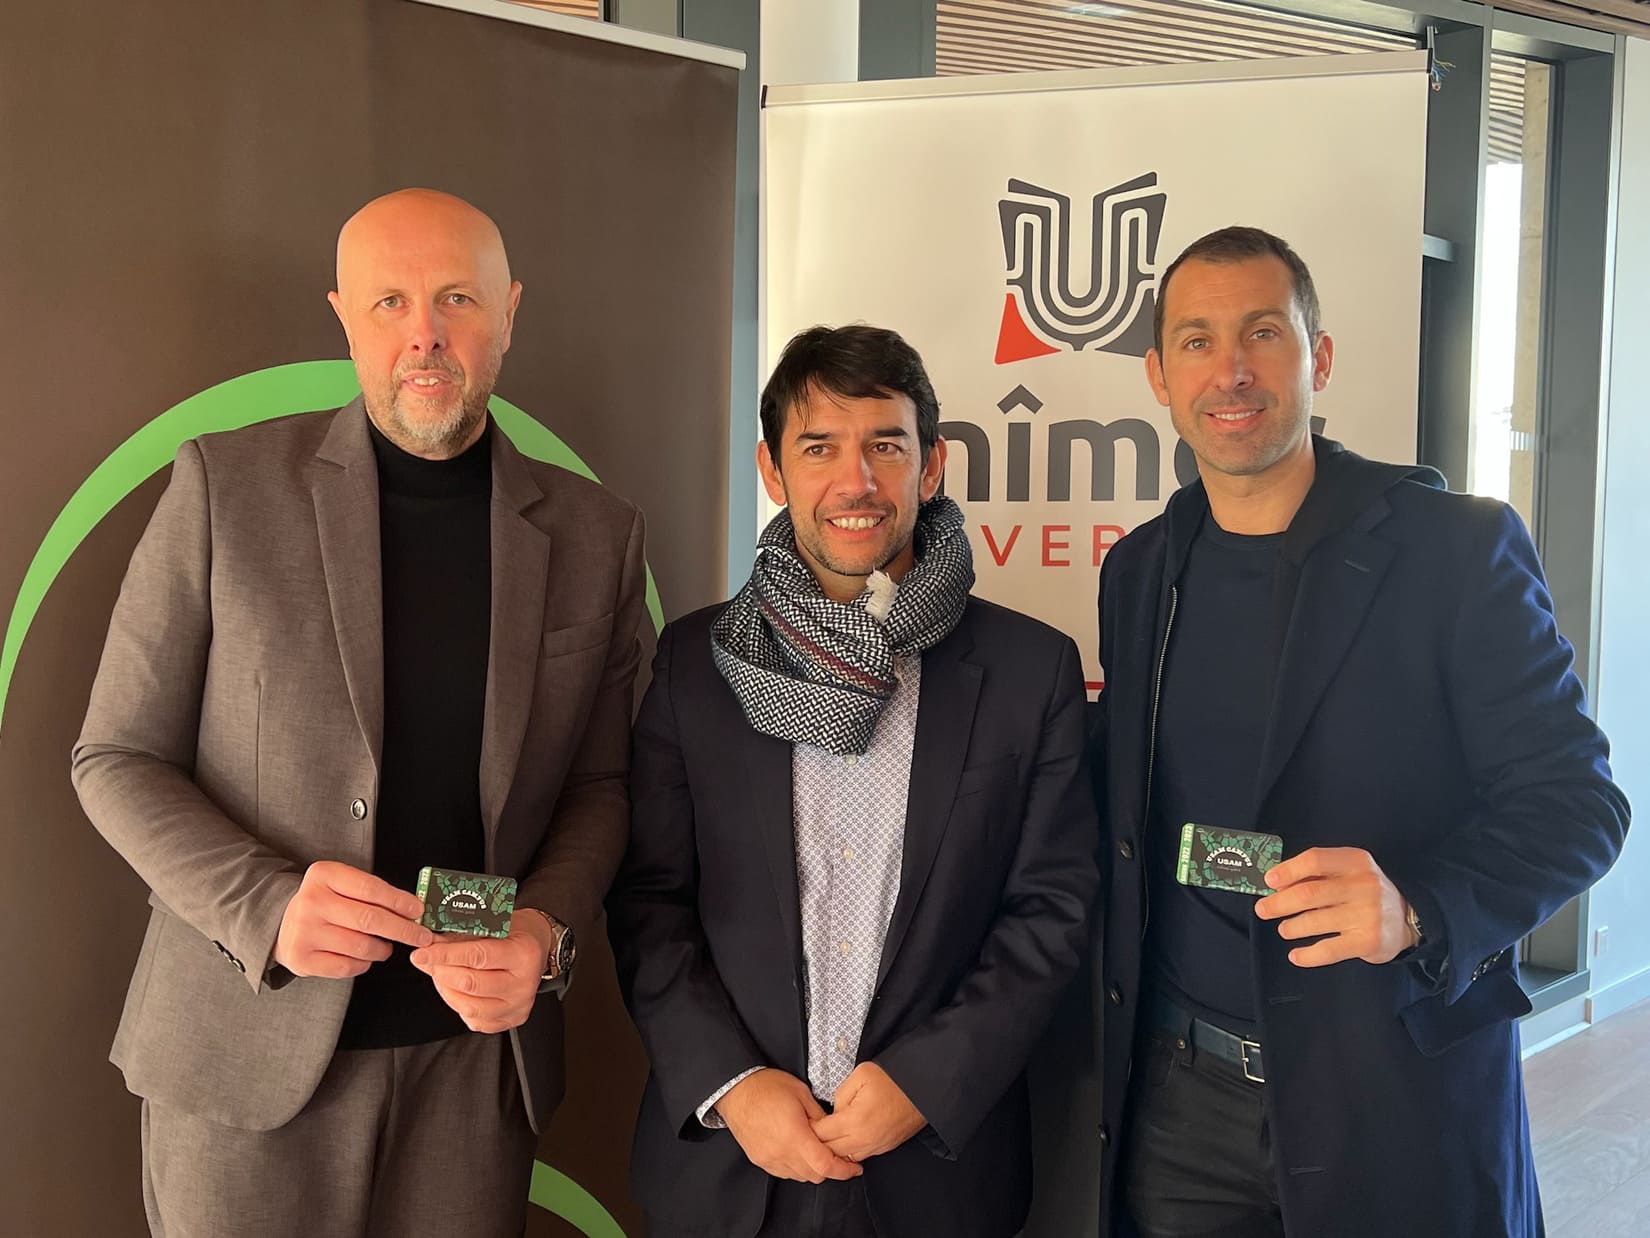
{"x":520,"y":570}
{"x":945,"y":721}
{"x":345,"y":491}
{"x":770,"y":794}
{"x":1337,"y":584}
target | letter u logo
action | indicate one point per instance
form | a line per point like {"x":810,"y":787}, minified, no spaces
{"x":1046,"y":308}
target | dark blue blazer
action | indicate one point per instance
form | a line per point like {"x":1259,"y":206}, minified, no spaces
{"x":1424,"y":708}
{"x":997,"y":875}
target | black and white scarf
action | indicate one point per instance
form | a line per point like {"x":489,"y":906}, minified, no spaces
{"x":811,"y":670}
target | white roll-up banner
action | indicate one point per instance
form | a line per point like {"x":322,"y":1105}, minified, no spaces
{"x":1012,"y":229}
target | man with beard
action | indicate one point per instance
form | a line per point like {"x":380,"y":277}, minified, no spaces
{"x":862,"y":846}
{"x":1339,"y":653}
{"x":352,"y":644}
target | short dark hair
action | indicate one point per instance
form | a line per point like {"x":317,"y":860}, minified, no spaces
{"x":1235,"y":244}
{"x":851,"y":362}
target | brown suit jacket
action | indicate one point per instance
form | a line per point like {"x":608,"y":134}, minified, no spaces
{"x":235,"y":728}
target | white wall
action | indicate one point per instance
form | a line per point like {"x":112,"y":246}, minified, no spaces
{"x":809,"y":41}
{"x":1621,"y":902}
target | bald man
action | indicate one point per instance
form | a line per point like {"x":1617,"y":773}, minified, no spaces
{"x":352,"y":644}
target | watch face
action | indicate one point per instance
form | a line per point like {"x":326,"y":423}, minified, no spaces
{"x":565,"y":953}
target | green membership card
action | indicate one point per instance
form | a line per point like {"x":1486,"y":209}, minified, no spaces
{"x":1220,"y":859}
{"x":478,"y":904}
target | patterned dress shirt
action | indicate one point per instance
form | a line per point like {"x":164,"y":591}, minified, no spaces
{"x":850,"y":836}
{"x":849,"y":821}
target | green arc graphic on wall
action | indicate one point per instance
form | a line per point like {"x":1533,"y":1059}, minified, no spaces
{"x":304,"y":386}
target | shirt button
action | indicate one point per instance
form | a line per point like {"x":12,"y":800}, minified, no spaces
{"x":358,"y":809}
{"x":853,"y":759}
{"x":1115,"y":995}
{"x":847,"y":853}
{"x":1126,"y":849}
{"x":845,"y":947}
{"x":842,"y":1044}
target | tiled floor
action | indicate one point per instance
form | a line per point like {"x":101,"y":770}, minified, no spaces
{"x":1589,"y":1099}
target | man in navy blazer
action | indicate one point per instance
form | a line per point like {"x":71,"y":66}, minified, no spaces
{"x":1339,"y":652}
{"x":862,"y":847}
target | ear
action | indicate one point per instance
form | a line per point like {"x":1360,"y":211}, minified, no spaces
{"x":334,"y":300}
{"x":933,"y":471}
{"x":1154,"y":376}
{"x":1323,"y":360}
{"x":772,"y":482}
{"x":510,"y":304}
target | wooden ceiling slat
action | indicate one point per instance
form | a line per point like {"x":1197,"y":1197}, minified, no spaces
{"x":1179,"y":9}
{"x":1583,"y":14}
{"x":988,"y":61}
{"x":1182,"y":14}
{"x":1630,"y":17}
{"x":1214,"y":33}
{"x":1147,"y":32}
{"x":1156,"y":51}
{"x":996,"y":36}
{"x":987,"y":43}
{"x":1188,"y":14}
{"x":1630,"y":10}
{"x":1177,"y":43}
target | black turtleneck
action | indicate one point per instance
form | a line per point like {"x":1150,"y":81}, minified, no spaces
{"x":436,"y":556}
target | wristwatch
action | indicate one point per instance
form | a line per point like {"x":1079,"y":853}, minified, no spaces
{"x":558,"y":964}
{"x":1414,"y":922}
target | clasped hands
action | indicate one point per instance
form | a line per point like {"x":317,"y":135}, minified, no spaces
{"x":343,"y":920}
{"x":785,"y":1132}
{"x":1341,"y":896}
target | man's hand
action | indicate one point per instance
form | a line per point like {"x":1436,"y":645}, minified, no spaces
{"x":871,"y":1115}
{"x":342,"y":921}
{"x":1340,"y":894}
{"x":490,"y":981}
{"x":769,"y":1114}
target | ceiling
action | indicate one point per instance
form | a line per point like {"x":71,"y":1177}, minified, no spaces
{"x":1011,"y":36}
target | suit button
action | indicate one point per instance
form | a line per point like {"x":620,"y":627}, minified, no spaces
{"x":1105,"y":1136}
{"x":1115,"y":995}
{"x":1126,"y":849}
{"x":358,"y":809}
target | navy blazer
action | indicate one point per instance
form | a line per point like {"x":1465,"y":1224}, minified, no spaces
{"x":997,"y":874}
{"x":1424,"y":708}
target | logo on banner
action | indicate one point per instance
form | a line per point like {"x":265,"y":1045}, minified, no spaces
{"x":1046,"y":309}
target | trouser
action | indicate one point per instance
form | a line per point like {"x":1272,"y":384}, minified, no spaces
{"x":831,"y":1209}
{"x":430,"y":1139}
{"x":1197,"y":1152}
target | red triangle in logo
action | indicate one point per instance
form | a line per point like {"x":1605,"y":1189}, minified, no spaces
{"x":1015,"y":341}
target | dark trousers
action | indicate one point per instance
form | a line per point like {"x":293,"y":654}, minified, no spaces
{"x":802,"y":1210}
{"x":1197,"y":1154}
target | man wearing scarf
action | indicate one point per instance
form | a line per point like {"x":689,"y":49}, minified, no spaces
{"x":862,"y":846}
